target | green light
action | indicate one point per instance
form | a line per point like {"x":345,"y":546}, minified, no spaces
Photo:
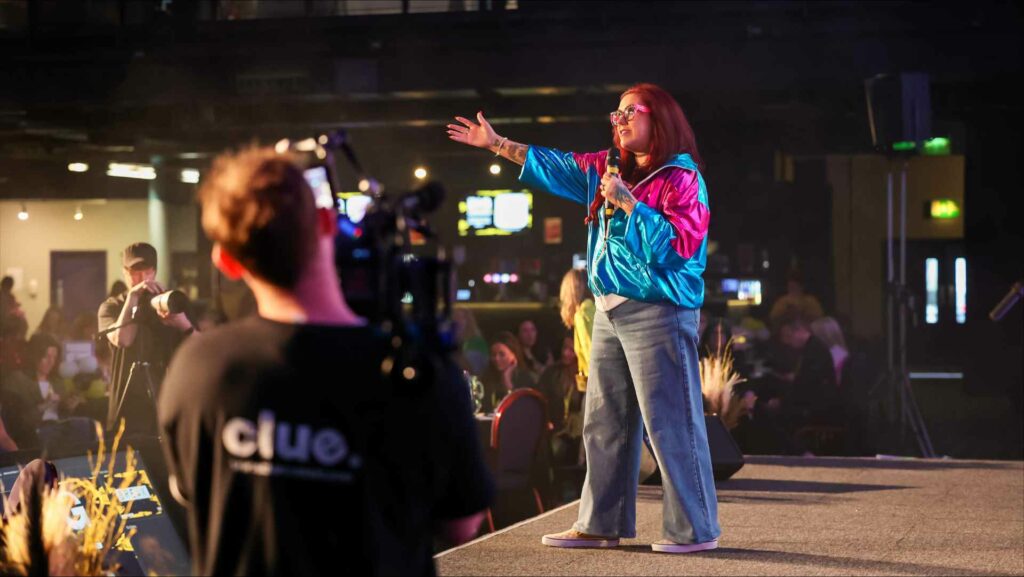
{"x":944,"y":209}
{"x":937,"y":147}
{"x":904,"y":145}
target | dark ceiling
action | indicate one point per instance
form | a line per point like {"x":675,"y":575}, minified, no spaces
{"x":169,"y":82}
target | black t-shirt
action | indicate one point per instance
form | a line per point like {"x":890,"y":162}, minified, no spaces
{"x":298,"y":457}
{"x":814,"y":386}
{"x":154,"y":344}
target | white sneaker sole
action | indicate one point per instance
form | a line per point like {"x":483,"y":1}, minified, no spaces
{"x":580,"y":543}
{"x":680,"y":548}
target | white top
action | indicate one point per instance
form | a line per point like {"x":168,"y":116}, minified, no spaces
{"x":607,"y":302}
{"x":44,"y":390}
{"x":839,"y":355}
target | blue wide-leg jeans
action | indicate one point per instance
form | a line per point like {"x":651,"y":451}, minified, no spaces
{"x":644,"y":371}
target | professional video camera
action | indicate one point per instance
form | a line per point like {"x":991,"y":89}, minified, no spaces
{"x":406,"y":294}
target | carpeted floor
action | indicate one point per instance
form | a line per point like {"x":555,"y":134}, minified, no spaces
{"x":802,"y":516}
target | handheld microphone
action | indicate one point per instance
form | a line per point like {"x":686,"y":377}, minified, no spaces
{"x":613,"y":168}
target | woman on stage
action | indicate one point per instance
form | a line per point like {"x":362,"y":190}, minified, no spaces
{"x":644,"y":266}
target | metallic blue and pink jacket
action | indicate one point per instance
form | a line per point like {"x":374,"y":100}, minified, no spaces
{"x":656,"y":254}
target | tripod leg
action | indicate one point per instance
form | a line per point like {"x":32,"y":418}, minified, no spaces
{"x":917,"y":423}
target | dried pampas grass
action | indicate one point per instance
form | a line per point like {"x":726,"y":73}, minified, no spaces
{"x":37,"y":538}
{"x":717,"y":379}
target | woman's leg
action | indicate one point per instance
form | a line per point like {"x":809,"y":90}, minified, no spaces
{"x":611,"y":435}
{"x":660,"y":343}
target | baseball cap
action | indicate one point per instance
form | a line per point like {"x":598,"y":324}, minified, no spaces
{"x":140,"y":255}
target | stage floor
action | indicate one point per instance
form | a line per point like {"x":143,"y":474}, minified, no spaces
{"x":802,"y":516}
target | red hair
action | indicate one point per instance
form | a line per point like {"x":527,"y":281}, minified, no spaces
{"x":670,"y":135}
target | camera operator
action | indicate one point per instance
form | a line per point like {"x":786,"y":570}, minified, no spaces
{"x":143,"y":343}
{"x":291,"y":448}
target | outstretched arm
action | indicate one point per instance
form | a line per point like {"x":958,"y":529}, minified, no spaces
{"x":481,"y":135}
{"x":563,"y":174}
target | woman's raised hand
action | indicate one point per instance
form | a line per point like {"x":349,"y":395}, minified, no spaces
{"x":468,"y":132}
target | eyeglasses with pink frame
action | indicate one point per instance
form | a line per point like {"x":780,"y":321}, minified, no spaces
{"x":623,"y":117}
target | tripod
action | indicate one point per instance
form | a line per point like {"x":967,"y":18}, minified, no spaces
{"x":899,"y":305}
{"x":133,"y":394}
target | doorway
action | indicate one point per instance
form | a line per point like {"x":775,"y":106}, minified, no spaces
{"x":78,"y":282}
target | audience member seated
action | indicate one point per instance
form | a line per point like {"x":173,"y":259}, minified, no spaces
{"x":35,"y":397}
{"x":577,"y":309}
{"x":531,"y":354}
{"x":472,"y":353}
{"x":13,"y":330}
{"x":827,"y":330}
{"x":795,"y":301}
{"x":814,"y":379}
{"x":7,"y":444}
{"x":799,"y":390}
{"x":93,"y":384}
{"x":83,"y":328}
{"x":565,"y":405}
{"x":9,"y":305}
{"x":52,"y":324}
{"x":505,"y":372}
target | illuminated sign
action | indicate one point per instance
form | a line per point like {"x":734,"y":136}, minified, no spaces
{"x":937,"y":147}
{"x":943,"y":209}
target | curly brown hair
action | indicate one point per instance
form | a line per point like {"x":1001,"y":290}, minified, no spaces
{"x":257,"y":205}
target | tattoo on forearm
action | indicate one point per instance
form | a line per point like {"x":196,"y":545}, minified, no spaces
{"x":515,"y":152}
{"x":623,"y":197}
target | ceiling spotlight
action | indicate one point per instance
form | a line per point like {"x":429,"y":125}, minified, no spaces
{"x":190,"y":175}
{"x":306,"y":145}
{"x":420,"y":173}
{"x":78,"y":213}
{"x":23,"y":213}
{"x":282,"y":146}
{"x":78,"y":167}
{"x":495,"y":169}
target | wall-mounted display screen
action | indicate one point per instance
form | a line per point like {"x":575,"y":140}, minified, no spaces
{"x":738,"y":291}
{"x":496,"y":213}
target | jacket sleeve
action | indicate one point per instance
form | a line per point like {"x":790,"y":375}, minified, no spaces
{"x":562,"y":174}
{"x":674,"y":233}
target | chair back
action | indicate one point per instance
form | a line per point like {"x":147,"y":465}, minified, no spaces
{"x":520,"y":422}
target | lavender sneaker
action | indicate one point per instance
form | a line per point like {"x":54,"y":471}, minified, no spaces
{"x":665,"y":546}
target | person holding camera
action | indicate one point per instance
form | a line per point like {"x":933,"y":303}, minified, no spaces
{"x":145,"y":334}
{"x":647,"y":228}
{"x":294,"y":446}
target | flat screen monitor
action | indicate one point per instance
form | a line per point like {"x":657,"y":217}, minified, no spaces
{"x":496,"y":213}
{"x":739,"y":291}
